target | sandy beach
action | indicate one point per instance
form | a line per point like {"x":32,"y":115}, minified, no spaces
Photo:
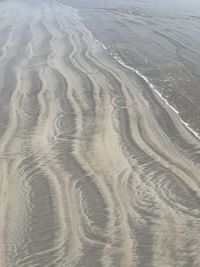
{"x":96,"y":170}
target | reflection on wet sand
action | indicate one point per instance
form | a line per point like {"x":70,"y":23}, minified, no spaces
{"x":95,"y":169}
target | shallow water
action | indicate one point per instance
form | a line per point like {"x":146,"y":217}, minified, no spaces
{"x":160,"y":39}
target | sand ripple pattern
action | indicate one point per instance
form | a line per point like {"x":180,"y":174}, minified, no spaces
{"x":94,"y":169}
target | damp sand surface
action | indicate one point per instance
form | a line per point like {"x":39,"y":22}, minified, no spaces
{"x":96,"y":169}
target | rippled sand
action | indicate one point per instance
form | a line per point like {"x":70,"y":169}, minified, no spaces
{"x":95,"y":169}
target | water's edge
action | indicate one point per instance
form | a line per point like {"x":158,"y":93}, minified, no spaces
{"x":148,"y":83}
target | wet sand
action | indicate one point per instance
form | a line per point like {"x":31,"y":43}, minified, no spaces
{"x":160,"y":39}
{"x":96,"y":170}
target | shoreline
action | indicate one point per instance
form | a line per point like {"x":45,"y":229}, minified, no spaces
{"x":145,"y":79}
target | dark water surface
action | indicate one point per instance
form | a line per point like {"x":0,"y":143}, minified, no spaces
{"x":159,"y":38}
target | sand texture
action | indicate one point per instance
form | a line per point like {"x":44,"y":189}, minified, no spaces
{"x":95,"y":169}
